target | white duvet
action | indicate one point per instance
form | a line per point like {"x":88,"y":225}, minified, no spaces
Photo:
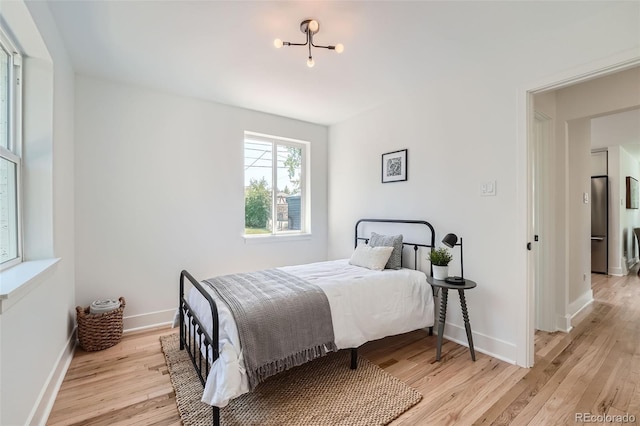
{"x":365,"y":305}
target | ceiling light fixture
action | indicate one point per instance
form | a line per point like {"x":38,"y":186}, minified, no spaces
{"x":309,"y":27}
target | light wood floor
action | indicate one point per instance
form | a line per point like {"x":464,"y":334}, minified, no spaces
{"x":594,"y":369}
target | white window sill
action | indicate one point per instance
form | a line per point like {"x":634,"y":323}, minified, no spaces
{"x":258,"y":239}
{"x":17,"y":281}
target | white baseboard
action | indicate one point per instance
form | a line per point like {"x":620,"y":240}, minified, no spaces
{"x":149,"y":320}
{"x":41,"y":410}
{"x":47,"y":397}
{"x":488,"y":345}
{"x":623,"y":269}
{"x":580,"y":303}
{"x":617,"y":272}
{"x":563,"y":323}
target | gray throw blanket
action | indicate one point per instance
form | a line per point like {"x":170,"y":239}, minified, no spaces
{"x":283,"y":321}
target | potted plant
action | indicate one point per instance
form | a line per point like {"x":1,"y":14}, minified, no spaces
{"x":440,"y":259}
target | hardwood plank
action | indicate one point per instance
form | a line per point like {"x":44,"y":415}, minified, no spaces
{"x":125,"y":384}
{"x":594,"y":369}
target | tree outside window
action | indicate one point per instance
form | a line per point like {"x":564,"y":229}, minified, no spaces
{"x":274,"y":185}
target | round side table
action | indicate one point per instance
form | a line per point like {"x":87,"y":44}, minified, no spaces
{"x":445,"y":287}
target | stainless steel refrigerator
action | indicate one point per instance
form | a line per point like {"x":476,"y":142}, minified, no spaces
{"x":600,"y":224}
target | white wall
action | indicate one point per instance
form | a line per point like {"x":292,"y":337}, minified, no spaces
{"x":160,"y":188}
{"x":578,"y":133}
{"x":616,"y":191}
{"x":461,"y":130}
{"x":36,"y":332}
{"x":448,"y":160}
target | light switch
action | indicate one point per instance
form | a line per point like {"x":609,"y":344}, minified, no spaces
{"x":585,"y":197}
{"x":488,"y":189}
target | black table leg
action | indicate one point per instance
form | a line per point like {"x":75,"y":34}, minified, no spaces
{"x":467,"y":326}
{"x":443,"y":316}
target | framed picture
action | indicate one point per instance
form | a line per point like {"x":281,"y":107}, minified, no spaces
{"x":632,"y":193}
{"x":394,"y":166}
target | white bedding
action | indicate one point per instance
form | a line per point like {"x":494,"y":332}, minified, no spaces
{"x":365,"y":305}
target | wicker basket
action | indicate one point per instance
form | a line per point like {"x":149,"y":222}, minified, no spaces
{"x":99,"y":331}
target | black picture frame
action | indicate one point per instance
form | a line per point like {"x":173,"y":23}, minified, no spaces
{"x":395,"y":166}
{"x":633,"y":201}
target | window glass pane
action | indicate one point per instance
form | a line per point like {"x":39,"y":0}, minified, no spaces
{"x":289,"y":165}
{"x":4,"y":98}
{"x":258,"y":187}
{"x":8,"y":211}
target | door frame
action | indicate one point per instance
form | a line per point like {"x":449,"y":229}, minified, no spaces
{"x":525,"y":112}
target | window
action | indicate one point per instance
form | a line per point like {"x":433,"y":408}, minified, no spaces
{"x":275,"y":185}
{"x":10,"y":151}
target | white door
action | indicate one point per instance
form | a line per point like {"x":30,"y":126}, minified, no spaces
{"x":541,"y":169}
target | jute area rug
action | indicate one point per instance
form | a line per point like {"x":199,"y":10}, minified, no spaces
{"x":322,"y":392}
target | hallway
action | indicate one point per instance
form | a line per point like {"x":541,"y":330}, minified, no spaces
{"x":592,"y":371}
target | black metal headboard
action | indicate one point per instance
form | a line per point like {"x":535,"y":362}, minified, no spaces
{"x":430,"y":244}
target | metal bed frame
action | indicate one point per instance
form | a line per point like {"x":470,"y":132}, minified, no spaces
{"x":195,"y":339}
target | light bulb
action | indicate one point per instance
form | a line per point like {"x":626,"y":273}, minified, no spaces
{"x":313,"y":25}
{"x":339,"y":48}
{"x":310,"y":62}
{"x":277,"y":43}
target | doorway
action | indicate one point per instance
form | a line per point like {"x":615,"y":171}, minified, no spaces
{"x":553,"y":229}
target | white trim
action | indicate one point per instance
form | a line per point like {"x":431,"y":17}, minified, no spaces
{"x":617,"y":272}
{"x":18,"y":281}
{"x":47,"y":397}
{"x":305,"y":193}
{"x":274,"y":238}
{"x":580,"y":303}
{"x":525,"y":300}
{"x":13,"y":152}
{"x":615,"y":63}
{"x":563,"y":323}
{"x":148,"y":320}
{"x":274,"y":139}
{"x":483,"y":343}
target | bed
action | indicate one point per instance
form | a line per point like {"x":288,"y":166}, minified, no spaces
{"x":363,"y":305}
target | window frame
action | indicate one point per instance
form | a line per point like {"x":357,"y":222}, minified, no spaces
{"x":13,"y":152}
{"x":305,"y":219}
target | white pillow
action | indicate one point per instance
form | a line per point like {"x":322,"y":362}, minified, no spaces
{"x":371,"y":257}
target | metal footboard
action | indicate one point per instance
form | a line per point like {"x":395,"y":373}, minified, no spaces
{"x":195,"y":338}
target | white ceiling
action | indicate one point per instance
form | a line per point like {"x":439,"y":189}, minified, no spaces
{"x":223,"y":50}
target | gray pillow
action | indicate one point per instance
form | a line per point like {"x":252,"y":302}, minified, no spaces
{"x":395,"y":241}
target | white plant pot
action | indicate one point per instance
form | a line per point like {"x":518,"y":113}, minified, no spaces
{"x":440,"y":272}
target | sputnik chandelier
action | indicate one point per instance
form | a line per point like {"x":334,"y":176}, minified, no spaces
{"x":309,"y":27}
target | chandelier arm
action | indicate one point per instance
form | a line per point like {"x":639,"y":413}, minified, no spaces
{"x":324,"y":47}
{"x":286,"y":43}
